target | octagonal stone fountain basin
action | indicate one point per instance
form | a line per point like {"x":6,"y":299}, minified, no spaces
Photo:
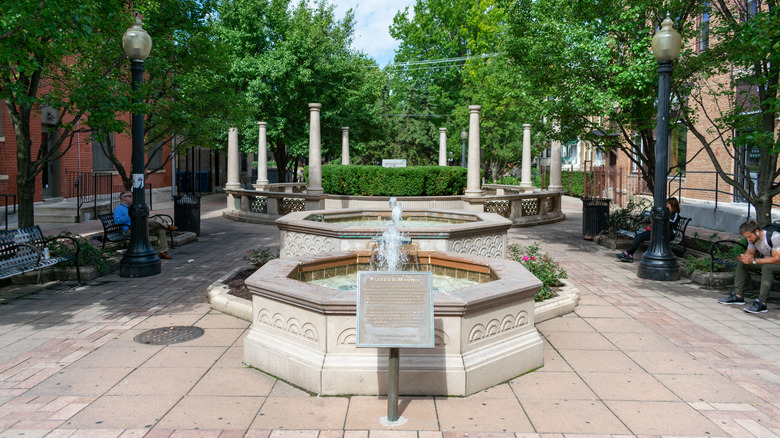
{"x":305,"y":333}
{"x":321,"y":231}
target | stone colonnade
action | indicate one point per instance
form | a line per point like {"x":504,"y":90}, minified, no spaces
{"x":314,"y":187}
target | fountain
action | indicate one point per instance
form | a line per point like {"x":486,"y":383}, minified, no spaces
{"x":304,"y":332}
{"x":322,"y":231}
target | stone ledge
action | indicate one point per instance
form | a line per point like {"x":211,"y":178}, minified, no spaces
{"x":563,"y":302}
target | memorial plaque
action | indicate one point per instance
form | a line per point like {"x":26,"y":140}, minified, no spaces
{"x":395,"y":309}
{"x":394,"y":163}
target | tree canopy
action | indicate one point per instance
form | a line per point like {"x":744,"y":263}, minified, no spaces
{"x":286,"y":56}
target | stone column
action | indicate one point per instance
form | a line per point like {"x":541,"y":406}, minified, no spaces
{"x":234,"y":160}
{"x":555,"y":163}
{"x":314,"y":186}
{"x":473,"y":186}
{"x":345,"y":145}
{"x":525,"y":182}
{"x":442,"y":146}
{"x":262,"y":158}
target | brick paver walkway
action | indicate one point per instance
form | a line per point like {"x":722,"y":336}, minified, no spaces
{"x":637,"y":357}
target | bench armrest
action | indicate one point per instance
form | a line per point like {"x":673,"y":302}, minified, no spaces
{"x":717,"y":245}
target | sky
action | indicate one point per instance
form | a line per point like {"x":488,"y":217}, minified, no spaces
{"x":372,"y":23}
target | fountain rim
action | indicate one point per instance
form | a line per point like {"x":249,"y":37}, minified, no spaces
{"x":485,"y":222}
{"x":274,"y":281}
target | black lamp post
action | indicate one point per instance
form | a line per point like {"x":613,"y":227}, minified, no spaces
{"x":463,"y":136}
{"x":140,"y":259}
{"x":658,"y":262}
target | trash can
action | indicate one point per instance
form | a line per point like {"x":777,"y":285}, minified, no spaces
{"x":186,"y":212}
{"x":595,"y":216}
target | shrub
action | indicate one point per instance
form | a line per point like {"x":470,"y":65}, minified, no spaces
{"x":398,"y":181}
{"x":259,"y":257}
{"x":542,"y":266}
{"x":89,"y":254}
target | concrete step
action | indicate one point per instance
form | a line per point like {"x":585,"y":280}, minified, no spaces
{"x":56,"y":218}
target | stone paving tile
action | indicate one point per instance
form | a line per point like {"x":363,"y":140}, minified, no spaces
{"x":559,"y":385}
{"x":483,"y":415}
{"x":212,"y":412}
{"x":234,"y":382}
{"x":158,"y":381}
{"x":303,"y":413}
{"x":368,"y":413}
{"x":120,"y":412}
{"x":77,"y":381}
{"x":572,"y":417}
{"x":714,"y":389}
{"x":663,"y":418}
{"x":185,"y":356}
{"x":628,"y":386}
{"x":600,"y":361}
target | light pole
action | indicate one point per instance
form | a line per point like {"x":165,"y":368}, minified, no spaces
{"x":140,"y":259}
{"x":658,"y":262}
{"x":464,"y":135}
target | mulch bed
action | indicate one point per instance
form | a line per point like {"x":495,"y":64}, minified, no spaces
{"x":237,"y":286}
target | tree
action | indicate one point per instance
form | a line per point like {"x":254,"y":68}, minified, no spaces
{"x":592,"y":60}
{"x":285,"y":57}
{"x":45,"y":52}
{"x":185,"y":102}
{"x":427,"y":79}
{"x":733,"y":104}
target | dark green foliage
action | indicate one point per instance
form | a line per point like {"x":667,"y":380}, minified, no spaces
{"x":259,"y":257}
{"x":399,"y":181}
{"x":573,"y":182}
{"x":542,"y":266}
{"x":89,"y":254}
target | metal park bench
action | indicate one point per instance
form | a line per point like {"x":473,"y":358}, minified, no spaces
{"x":113,"y":232}
{"x":24,"y":250}
{"x":631,"y":227}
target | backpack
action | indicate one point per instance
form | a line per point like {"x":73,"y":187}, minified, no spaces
{"x":769,"y":230}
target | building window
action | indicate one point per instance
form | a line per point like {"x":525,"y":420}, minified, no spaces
{"x":704,"y":28}
{"x":100,"y":149}
{"x":751,"y":9}
{"x":678,"y":146}
{"x":639,"y":146}
{"x":2,"y":108}
{"x":155,"y":157}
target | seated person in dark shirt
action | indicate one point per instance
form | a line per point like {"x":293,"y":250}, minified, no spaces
{"x":122,"y":217}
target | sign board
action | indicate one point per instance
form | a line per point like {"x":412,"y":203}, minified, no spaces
{"x":395,"y":309}
{"x":394,"y":163}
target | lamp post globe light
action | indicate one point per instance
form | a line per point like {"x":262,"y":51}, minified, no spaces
{"x":140,"y":259}
{"x":464,"y":135}
{"x":658,"y":262}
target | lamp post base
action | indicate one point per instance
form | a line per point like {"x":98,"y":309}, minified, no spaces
{"x":140,"y":265}
{"x":656,"y":268}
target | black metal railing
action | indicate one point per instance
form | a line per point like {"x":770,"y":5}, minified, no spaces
{"x":94,"y":189}
{"x":717,"y":190}
{"x":6,"y":205}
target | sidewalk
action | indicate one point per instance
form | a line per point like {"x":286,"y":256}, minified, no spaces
{"x":637,"y":357}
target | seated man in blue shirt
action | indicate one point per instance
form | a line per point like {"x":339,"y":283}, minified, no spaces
{"x":122,"y":217}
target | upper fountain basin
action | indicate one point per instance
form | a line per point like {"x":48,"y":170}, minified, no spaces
{"x":312,"y":232}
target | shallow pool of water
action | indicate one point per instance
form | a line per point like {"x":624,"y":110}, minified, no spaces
{"x":441,"y":283}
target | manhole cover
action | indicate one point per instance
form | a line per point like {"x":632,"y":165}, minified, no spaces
{"x":169,"y":335}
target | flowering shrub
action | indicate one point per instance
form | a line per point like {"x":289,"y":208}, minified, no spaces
{"x":259,"y":257}
{"x":541,"y":265}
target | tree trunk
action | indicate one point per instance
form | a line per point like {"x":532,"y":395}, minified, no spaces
{"x":25,"y":181}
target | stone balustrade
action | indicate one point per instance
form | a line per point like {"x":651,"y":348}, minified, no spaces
{"x":511,"y":202}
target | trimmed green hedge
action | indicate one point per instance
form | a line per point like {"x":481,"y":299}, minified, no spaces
{"x":572,"y":182}
{"x":393,"y":181}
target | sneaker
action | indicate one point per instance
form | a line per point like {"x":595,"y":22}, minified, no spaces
{"x":620,"y":255}
{"x":756,"y":307}
{"x":627,"y":258}
{"x":733,"y":299}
